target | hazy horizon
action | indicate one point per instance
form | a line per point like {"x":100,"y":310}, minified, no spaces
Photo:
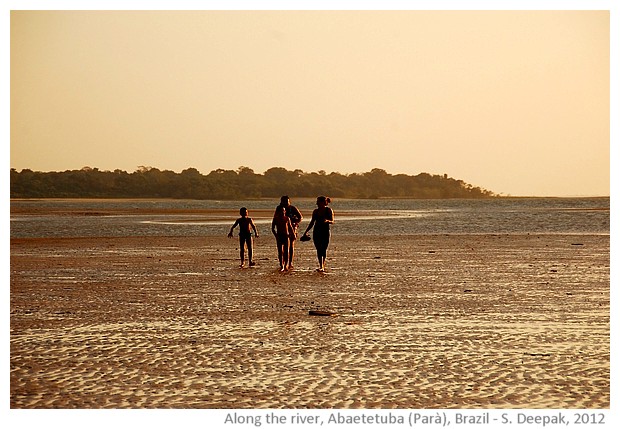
{"x":516,"y":102}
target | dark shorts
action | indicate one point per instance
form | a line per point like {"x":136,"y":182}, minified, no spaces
{"x":245,"y":238}
{"x":282,"y":238}
{"x":321,"y":239}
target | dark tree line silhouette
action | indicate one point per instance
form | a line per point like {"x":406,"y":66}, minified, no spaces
{"x":149,"y":182}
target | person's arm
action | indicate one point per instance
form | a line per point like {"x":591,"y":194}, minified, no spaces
{"x":230,"y":234}
{"x":331,"y":216}
{"x":289,"y":227}
{"x":254,"y":228}
{"x":273,"y":226}
{"x":311,"y":224}
{"x":298,"y":215}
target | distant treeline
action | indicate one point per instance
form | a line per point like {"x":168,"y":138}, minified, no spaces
{"x":149,"y":182}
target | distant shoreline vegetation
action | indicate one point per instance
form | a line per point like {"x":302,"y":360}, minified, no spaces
{"x":150,"y":182}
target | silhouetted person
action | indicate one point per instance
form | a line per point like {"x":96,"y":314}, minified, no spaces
{"x":246,"y":225}
{"x":282,"y":229}
{"x":295,"y":216}
{"x":322,"y":218}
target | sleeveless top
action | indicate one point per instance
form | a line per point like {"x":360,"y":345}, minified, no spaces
{"x":320,"y":224}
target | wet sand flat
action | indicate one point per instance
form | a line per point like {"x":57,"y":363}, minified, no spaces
{"x":437,"y":321}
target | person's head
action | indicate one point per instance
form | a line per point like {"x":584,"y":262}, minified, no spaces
{"x":243,"y":211}
{"x":323,"y":201}
{"x":280,"y":211}
{"x":285,"y":201}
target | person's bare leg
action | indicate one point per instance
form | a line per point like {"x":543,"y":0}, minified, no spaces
{"x":285,"y":255}
{"x":250,"y":260}
{"x":291,"y":253}
{"x":280,"y":255}
{"x":320,"y":259}
{"x":242,"y":251}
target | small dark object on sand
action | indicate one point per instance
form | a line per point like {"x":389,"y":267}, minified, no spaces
{"x":321,"y":313}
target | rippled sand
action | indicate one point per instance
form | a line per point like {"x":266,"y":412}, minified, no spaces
{"x":420,"y":322}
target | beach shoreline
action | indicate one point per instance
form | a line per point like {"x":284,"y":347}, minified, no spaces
{"x":435,"y":321}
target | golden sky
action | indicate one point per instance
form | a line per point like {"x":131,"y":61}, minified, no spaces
{"x":517,"y":102}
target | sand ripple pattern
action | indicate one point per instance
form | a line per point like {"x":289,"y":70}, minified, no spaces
{"x":422,"y":322}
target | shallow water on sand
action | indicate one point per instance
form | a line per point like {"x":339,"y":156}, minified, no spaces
{"x":439,"y":304}
{"x":192,"y":218}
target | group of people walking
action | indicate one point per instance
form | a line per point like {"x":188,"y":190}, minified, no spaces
{"x":284,"y":226}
